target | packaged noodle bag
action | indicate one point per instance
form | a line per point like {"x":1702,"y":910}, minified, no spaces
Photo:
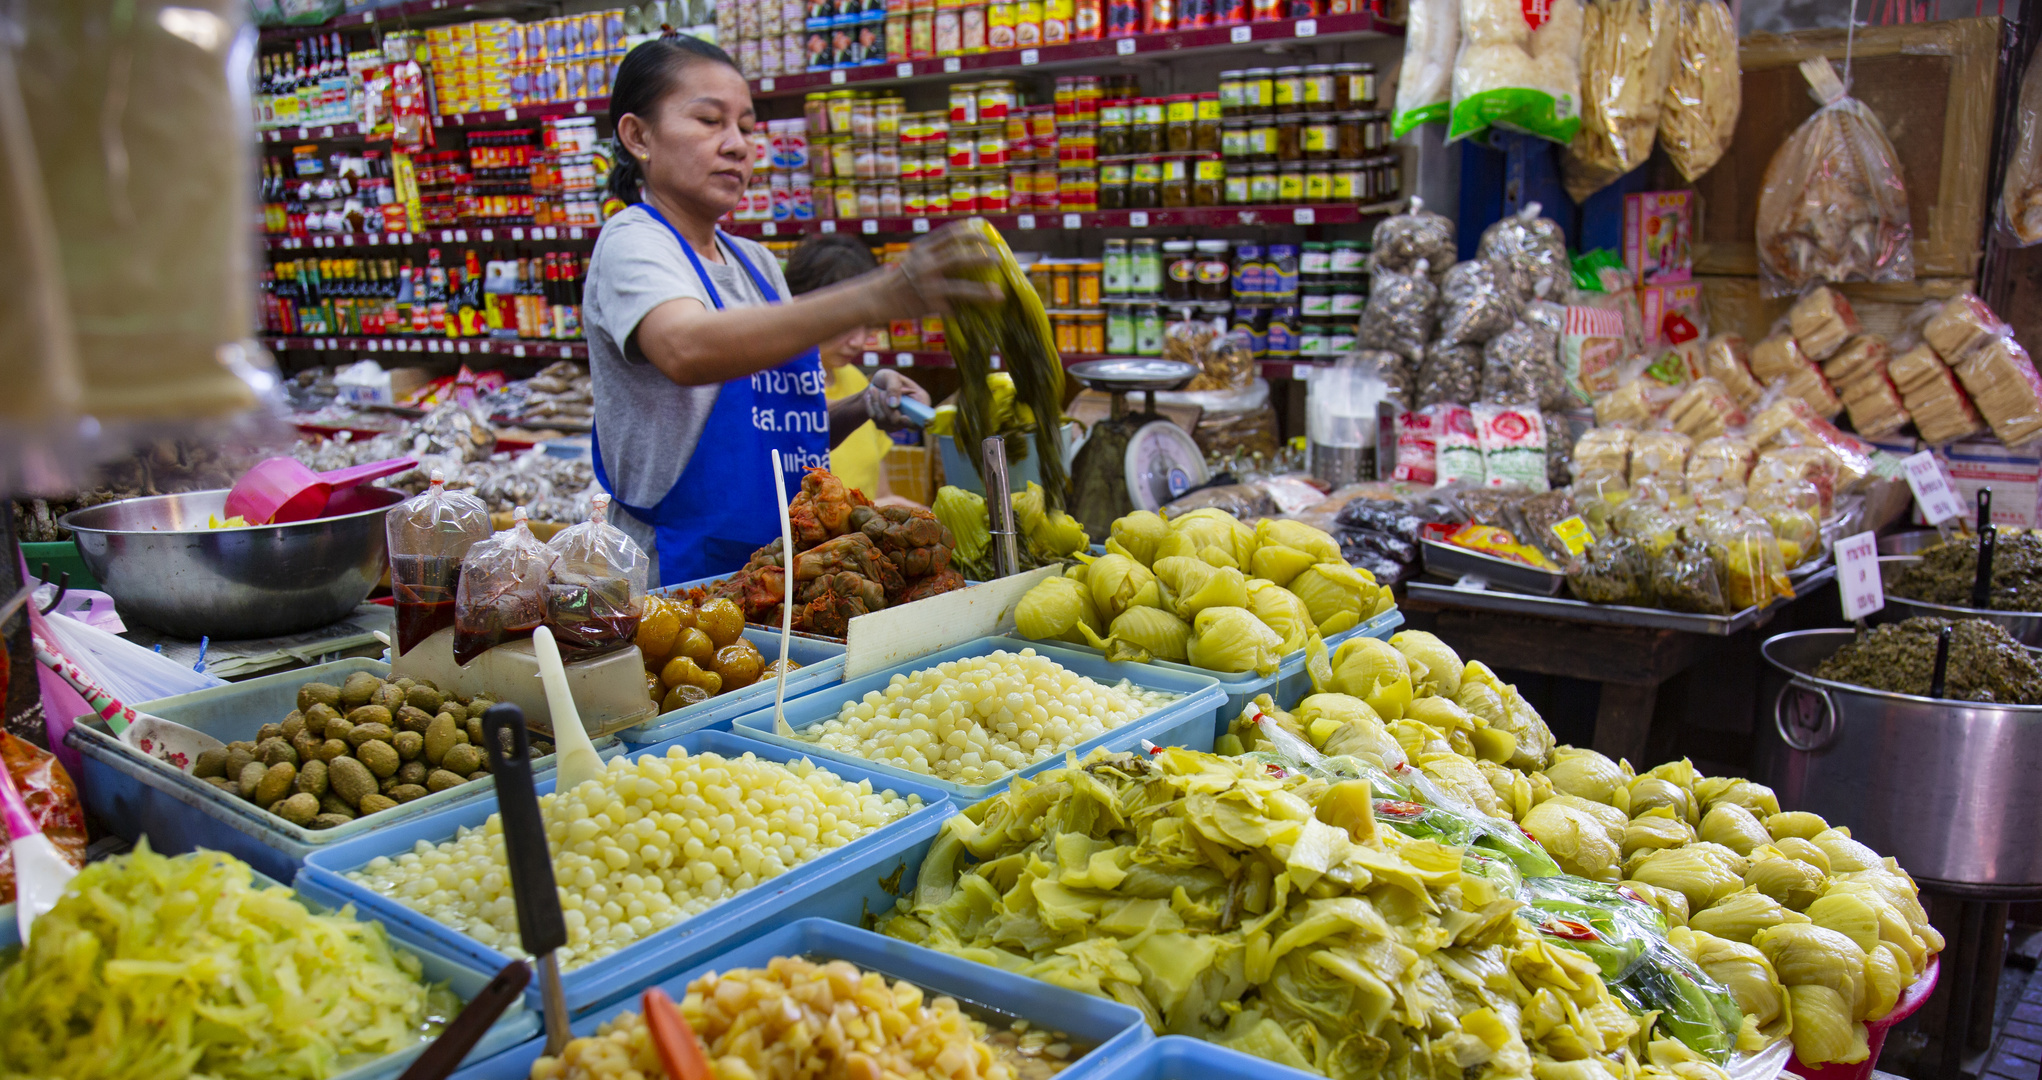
{"x":594,"y":598}
{"x":502,"y":596}
{"x":1432,"y":35}
{"x":428,"y":535}
{"x":1626,"y":53}
{"x":1833,"y":206}
{"x":1519,"y":67}
{"x":1704,"y":87}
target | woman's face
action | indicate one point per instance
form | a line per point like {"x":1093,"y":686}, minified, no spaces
{"x":847,"y":348}
{"x":696,"y":149}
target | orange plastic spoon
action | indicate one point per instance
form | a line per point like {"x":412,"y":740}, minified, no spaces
{"x":680,"y":1052}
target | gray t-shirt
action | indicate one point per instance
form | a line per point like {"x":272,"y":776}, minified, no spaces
{"x":649,"y":424}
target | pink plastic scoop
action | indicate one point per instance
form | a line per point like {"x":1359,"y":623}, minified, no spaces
{"x":281,"y":489}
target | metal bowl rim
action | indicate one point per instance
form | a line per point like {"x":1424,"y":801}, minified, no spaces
{"x":1765,"y":649}
{"x":1960,"y":611}
{"x":69,"y":521}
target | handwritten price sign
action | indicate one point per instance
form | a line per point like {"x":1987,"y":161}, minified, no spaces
{"x":1939,"y":501}
{"x":1857,"y":575}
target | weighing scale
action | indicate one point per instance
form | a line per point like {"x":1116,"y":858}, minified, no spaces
{"x":1132,"y":461}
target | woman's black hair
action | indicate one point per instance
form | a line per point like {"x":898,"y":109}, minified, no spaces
{"x":644,"y":77}
{"x":823,"y":259}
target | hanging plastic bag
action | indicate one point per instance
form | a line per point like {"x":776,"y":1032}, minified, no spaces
{"x":428,"y":535}
{"x":502,"y":595}
{"x":1432,"y":35}
{"x":1704,"y":87}
{"x":598,"y":586}
{"x":1626,"y":52}
{"x":1450,"y":374}
{"x":1833,"y":206}
{"x":1473,"y":307}
{"x":1519,"y":67}
{"x":2020,"y":199}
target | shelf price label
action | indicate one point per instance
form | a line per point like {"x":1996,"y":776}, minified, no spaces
{"x":868,"y":226}
{"x":921,"y":224}
{"x":1308,"y":28}
{"x":1241,"y":35}
{"x":574,"y":233}
{"x":1030,"y":56}
{"x":1303,"y":215}
{"x":488,"y":235}
{"x":903,"y":70}
{"x":837,"y":77}
{"x":1124,"y":47}
{"x":1857,"y":575}
{"x":517,"y":350}
{"x":1932,"y":490}
{"x":1072,"y":221}
{"x":580,"y":107}
{"x":766,"y":84}
{"x":770,"y":228}
{"x":870,"y":359}
{"x":1024,"y":221}
{"x":461,"y":347}
{"x":1138,"y":218}
{"x":510,"y":114}
{"x":952,"y":65}
{"x":829,"y":226}
{"x":517,"y":234}
{"x":906,"y":359}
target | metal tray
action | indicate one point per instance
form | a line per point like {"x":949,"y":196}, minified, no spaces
{"x":1554,"y":607}
{"x":1454,"y":562}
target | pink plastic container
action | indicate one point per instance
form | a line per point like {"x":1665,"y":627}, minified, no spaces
{"x":1875,"y":1033}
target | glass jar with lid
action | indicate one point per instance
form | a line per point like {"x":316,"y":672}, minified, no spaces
{"x":1119,"y":328}
{"x":1287,"y":85}
{"x":1145,"y":262}
{"x":1180,"y":114}
{"x":1114,"y":132}
{"x":1347,"y":260}
{"x":1088,"y":282}
{"x":1290,"y":182}
{"x":1262,"y":183}
{"x":1317,"y":83}
{"x":1312,"y":338}
{"x":1145,"y":184}
{"x":1315,"y":301}
{"x":1205,"y":125}
{"x":1290,"y":131}
{"x":1148,"y":330}
{"x":1318,"y":181}
{"x":1347,"y":181}
{"x":1213,"y":279}
{"x":1208,"y":180}
{"x":1389,"y":177}
{"x":1230,"y":93}
{"x":1092,"y":332}
{"x":1176,"y":187}
{"x":1234,"y":190}
{"x":1350,"y":135}
{"x":1146,"y":127}
{"x":1234,"y":139}
{"x":1117,"y":269}
{"x":1315,"y":261}
{"x":1354,"y":86}
{"x":1261,"y":140}
{"x":1258,"y":94}
{"x":1113,"y":185}
{"x":1320,"y":137}
{"x":1180,"y":270}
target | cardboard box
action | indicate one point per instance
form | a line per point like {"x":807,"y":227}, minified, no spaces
{"x":1659,"y":236}
{"x":2015,"y":477}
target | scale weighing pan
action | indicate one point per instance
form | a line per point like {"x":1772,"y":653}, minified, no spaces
{"x":1121,"y":375}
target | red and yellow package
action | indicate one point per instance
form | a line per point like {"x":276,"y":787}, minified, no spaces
{"x":52,"y":801}
{"x":1490,"y":540}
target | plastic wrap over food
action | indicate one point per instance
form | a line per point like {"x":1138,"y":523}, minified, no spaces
{"x":1632,"y":404}
{"x":1449,"y":373}
{"x":1519,"y":67}
{"x":1704,"y":87}
{"x":593,"y":599}
{"x":1876,"y":408}
{"x":1722,"y":459}
{"x":1626,"y":53}
{"x":1704,"y":410}
{"x":1532,"y":247}
{"x":1939,"y":407}
{"x":52,"y":802}
{"x":427,"y":535}
{"x":1612,"y":571}
{"x":1402,"y":239}
{"x":1432,"y":36}
{"x":1559,"y":450}
{"x":2002,"y":382}
{"x":1225,"y":361}
{"x":1821,"y":320}
{"x":1513,"y":441}
{"x":1473,"y":305}
{"x":1754,"y":569}
{"x":1833,"y":205}
{"x":1861,"y":356}
{"x":1398,"y":317}
{"x":1457,"y":448}
{"x":1538,"y":519}
{"x":1418,"y":445}
{"x":1521,"y":366}
{"x":1810,"y":463}
{"x":1603,"y":450}
{"x":1726,"y":360}
{"x":1245,"y":501}
{"x":1962,"y":323}
{"x":1661,"y":454}
{"x":2020,"y":196}
{"x":1685,"y":578}
{"x":502,"y":595}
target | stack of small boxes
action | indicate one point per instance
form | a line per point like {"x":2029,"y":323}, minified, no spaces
{"x":765,"y":37}
{"x":497,"y":64}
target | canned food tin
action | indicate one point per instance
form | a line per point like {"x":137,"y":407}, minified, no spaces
{"x":993,"y":193}
{"x":963,"y":194}
{"x":995,"y":99}
{"x":963,"y":152}
{"x":964,"y":103}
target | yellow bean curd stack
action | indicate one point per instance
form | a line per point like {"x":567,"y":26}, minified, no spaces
{"x":655,"y":840}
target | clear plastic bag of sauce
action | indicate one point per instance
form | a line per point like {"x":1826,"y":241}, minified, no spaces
{"x":595,"y":597}
{"x":502,"y":596}
{"x":428,"y":535}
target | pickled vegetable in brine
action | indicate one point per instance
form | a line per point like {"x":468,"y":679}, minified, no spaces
{"x":428,"y":537}
{"x":594,"y":596}
{"x":502,"y":596}
{"x":424,"y":606}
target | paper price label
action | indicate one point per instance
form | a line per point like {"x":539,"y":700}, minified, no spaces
{"x":829,"y":226}
{"x":868,"y":226}
{"x":1125,"y":46}
{"x":1857,"y":575}
{"x":1241,"y":35}
{"x":1024,"y":221}
{"x":1574,"y":533}
{"x":921,"y":224}
{"x":1071,"y":221}
{"x":952,"y":65}
{"x":1138,"y":219}
{"x":1939,"y":501}
{"x":1308,"y":28}
{"x":837,"y":78}
{"x":1030,"y":56}
{"x":766,"y":85}
{"x":904,"y":70}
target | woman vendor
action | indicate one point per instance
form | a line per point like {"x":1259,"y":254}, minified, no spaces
{"x":702,"y":363}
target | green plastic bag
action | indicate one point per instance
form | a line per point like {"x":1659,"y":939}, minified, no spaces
{"x":1519,"y":68}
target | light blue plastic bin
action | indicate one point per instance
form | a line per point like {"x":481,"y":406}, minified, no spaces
{"x":132,"y":794}
{"x":822,"y":666}
{"x":654,"y":957}
{"x":1115,"y":1031}
{"x":518,"y":1024}
{"x":1176,"y":1057}
{"x":1188,"y":721}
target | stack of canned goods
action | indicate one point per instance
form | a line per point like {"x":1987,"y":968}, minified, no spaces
{"x":1073,"y":293}
{"x":1306,"y":134}
{"x":1149,"y":284}
{"x":1296,"y":300}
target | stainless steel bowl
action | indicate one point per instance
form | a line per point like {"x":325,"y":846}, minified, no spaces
{"x":1910,"y":542}
{"x":165,"y":569}
{"x":2023,"y":626}
{"x":1946,"y":787}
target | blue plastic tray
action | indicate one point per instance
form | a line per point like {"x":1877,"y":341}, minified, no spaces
{"x":133,"y":794}
{"x":1176,"y":1057}
{"x":1116,"y":1031}
{"x":1188,"y":721}
{"x":652,"y":958}
{"x":518,"y":1024}
{"x":822,"y":665}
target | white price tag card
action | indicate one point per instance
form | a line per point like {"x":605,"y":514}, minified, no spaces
{"x":1303,"y":215}
{"x":1308,"y":28}
{"x":1030,"y":56}
{"x":904,"y":70}
{"x":510,"y":114}
{"x":906,"y":359}
{"x":1939,"y":501}
{"x":461,"y":347}
{"x":488,"y":235}
{"x":829,"y":226}
{"x":1138,"y":219}
{"x":1024,"y":221}
{"x":870,"y":359}
{"x":304,"y":133}
{"x":1857,"y":575}
{"x":1071,"y":221}
{"x":837,"y":77}
{"x":1241,"y":35}
{"x":326,"y":132}
{"x":952,"y":65}
{"x":580,"y":107}
{"x":517,"y":234}
{"x":1125,"y":46}
{"x":407,"y":238}
{"x":432,"y":346}
{"x":921,"y":224}
{"x":574,"y":233}
{"x":517,"y":350}
{"x":770,"y":228}
{"x":868,"y":226}
{"x":461,"y":236}
{"x":766,"y":85}
{"x":552,"y":232}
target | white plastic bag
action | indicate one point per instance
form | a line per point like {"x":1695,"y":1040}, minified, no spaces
{"x":1833,"y":206}
{"x":1432,"y":35}
{"x":128,"y":671}
{"x":1519,"y":67}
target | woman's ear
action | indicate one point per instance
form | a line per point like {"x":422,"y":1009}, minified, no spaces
{"x":633,"y":134}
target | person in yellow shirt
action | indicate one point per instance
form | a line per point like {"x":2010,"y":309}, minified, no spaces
{"x":822,"y":260}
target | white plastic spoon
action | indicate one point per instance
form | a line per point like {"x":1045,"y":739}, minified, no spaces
{"x":578,"y":760}
{"x":40,"y":871}
{"x":165,"y":740}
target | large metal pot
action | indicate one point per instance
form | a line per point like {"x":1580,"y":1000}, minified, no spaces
{"x":165,"y":569}
{"x":1946,"y":787}
{"x":2024,"y":626}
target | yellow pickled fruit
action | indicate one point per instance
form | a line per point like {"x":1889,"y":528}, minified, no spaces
{"x":658,"y":628}
{"x":739,"y":665}
{"x":695,"y":645}
{"x":684,"y":671}
{"x":654,"y":687}
{"x":722,"y":620}
{"x":1350,"y":805}
{"x":682,"y":696}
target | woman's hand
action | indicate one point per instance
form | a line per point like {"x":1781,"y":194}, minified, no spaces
{"x":883,"y":398}
{"x":937,"y":272}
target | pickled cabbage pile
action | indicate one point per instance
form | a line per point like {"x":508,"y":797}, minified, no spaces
{"x":156,"y":968}
{"x":1206,"y":590}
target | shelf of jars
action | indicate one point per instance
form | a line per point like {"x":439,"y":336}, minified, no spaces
{"x":1207,"y":217}
{"x":372,"y":241}
{"x":539,"y":349}
{"x":1019,"y":61}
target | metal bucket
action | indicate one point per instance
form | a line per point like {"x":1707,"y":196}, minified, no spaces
{"x":2024,"y":626}
{"x":1946,"y":787}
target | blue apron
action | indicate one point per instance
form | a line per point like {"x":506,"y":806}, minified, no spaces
{"x":724,"y":506}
